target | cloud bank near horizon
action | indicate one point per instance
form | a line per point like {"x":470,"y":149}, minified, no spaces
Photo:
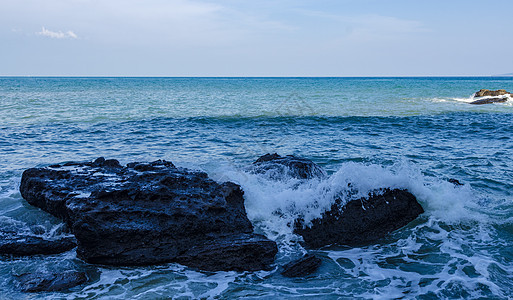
{"x":264,"y":38}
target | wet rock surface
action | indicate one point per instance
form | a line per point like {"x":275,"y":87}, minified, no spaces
{"x":304,"y":266}
{"x":290,"y":165}
{"x":456,"y":182}
{"x":488,"y":97}
{"x":148,"y":213}
{"x":50,"y":282}
{"x":361,"y":221}
{"x":256,"y":251}
{"x":490,"y":100}
{"x":356,"y":222}
{"x":16,"y":244}
{"x":485,"y":93}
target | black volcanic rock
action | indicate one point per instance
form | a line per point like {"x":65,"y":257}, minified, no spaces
{"x":304,"y":266}
{"x":50,"y":282}
{"x":290,"y":165}
{"x":148,"y":213}
{"x":353,"y":223}
{"x":22,"y":245}
{"x":361,"y":221}
{"x":256,"y":251}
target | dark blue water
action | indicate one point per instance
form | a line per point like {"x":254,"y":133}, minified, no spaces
{"x":413,"y":133}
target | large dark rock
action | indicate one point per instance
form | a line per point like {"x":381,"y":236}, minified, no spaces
{"x":148,"y":213}
{"x":21,"y":245}
{"x":289,"y":165}
{"x":361,"y":221}
{"x":304,"y":266}
{"x":489,"y":97}
{"x":50,"y":282}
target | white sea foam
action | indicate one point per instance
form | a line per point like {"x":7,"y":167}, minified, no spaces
{"x":73,"y":168}
{"x":406,"y":269}
{"x":274,"y":204}
{"x":82,"y":194}
{"x":472,"y":98}
{"x":394,"y":269}
{"x":166,"y":281}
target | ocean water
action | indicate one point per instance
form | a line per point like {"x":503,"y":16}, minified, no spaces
{"x":413,"y":133}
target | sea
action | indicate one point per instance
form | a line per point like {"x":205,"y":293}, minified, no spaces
{"x":415,"y":133}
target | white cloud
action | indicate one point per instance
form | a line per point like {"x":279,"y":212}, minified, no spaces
{"x":57,"y":34}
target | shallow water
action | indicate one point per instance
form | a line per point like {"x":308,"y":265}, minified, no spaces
{"x":412,"y":133}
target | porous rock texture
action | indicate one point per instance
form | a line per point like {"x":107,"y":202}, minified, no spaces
{"x":149,"y":213}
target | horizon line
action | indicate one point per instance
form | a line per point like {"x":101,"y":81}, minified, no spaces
{"x":294,"y":76}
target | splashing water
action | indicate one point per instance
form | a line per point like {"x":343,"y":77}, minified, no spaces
{"x":368,"y":133}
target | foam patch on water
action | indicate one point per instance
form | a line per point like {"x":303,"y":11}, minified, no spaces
{"x":437,"y":255}
{"x":433,"y":260}
{"x":166,"y":281}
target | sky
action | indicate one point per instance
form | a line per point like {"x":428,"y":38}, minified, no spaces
{"x":255,"y":38}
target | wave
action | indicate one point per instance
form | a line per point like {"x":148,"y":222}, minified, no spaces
{"x":273,"y":204}
{"x":472,"y":98}
{"x":429,"y":256}
{"x":449,"y":252}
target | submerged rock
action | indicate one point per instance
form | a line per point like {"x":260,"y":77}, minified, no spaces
{"x":456,"y":182}
{"x":490,"y":100}
{"x":50,"y":282}
{"x":22,"y":245}
{"x":488,"y":97}
{"x":304,"y":266}
{"x":148,"y":213}
{"x":290,"y":165}
{"x":361,"y":221}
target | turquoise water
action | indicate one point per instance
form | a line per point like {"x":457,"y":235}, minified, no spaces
{"x":413,"y":133}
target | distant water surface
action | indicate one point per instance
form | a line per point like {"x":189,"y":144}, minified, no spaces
{"x":413,"y":133}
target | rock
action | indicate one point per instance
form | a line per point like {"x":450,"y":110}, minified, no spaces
{"x":485,"y":93}
{"x":149,"y":213}
{"x":456,"y":182}
{"x":490,"y":100}
{"x":256,"y":250}
{"x":304,"y":266}
{"x":361,"y":221}
{"x":50,"y":282}
{"x":356,"y":222}
{"x":290,"y":165}
{"x":489,"y":97}
{"x":22,"y":245}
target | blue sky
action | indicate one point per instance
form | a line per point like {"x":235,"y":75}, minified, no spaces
{"x":255,"y":38}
